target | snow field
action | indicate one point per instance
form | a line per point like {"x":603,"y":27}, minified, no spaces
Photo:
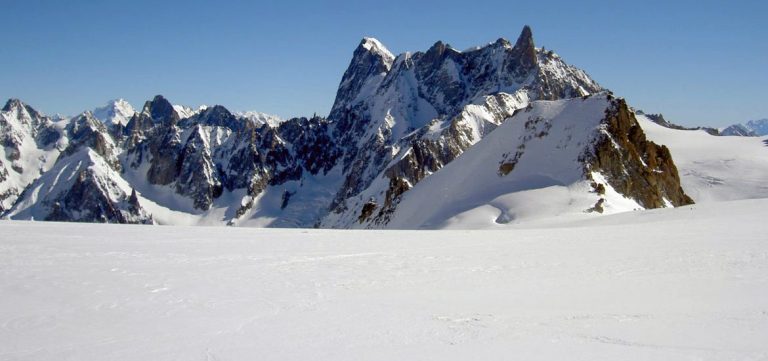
{"x":672,"y":284}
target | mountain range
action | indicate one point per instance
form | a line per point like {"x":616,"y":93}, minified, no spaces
{"x":505,"y":131}
{"x":752,"y":128}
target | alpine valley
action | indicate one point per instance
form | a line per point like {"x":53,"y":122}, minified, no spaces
{"x":498,"y":134}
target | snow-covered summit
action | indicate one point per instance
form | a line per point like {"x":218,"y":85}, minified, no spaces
{"x":117,"y":111}
{"x":374,"y":45}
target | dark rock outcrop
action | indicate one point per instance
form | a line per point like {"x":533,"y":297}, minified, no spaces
{"x":633,"y":165}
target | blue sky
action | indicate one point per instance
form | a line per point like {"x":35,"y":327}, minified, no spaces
{"x":698,"y":62}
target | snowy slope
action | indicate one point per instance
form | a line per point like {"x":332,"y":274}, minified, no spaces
{"x":670,"y":284}
{"x":715,"y":168}
{"x":546,"y":144}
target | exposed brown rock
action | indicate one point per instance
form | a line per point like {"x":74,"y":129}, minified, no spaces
{"x":367,"y":211}
{"x":506,"y":168}
{"x":632,"y":165}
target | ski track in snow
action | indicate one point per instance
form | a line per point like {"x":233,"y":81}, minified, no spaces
{"x":672,"y":284}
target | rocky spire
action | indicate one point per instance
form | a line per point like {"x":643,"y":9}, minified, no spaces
{"x":133,"y":200}
{"x":434,"y":55}
{"x":525,"y":49}
{"x":525,"y":40}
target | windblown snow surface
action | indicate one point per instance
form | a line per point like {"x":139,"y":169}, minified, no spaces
{"x":689,"y":283}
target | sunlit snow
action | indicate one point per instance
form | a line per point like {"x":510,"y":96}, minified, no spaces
{"x":672,"y":284}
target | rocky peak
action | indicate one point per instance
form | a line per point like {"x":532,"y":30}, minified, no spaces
{"x":438,"y":48}
{"x":85,"y":120}
{"x":371,"y":61}
{"x":161,"y":110}
{"x":12,"y":104}
{"x":157,"y":111}
{"x":23,"y":111}
{"x":437,"y":54}
{"x":133,"y":200}
{"x":524,"y":51}
{"x":738,"y":130}
{"x":87,"y":131}
{"x":375,"y":47}
{"x":525,"y":40}
{"x":502,"y":43}
{"x":218,"y":116}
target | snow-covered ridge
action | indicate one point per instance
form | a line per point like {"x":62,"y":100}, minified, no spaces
{"x":260,"y":118}
{"x":374,"y":45}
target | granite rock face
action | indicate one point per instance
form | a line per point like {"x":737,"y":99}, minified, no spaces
{"x":634,"y":166}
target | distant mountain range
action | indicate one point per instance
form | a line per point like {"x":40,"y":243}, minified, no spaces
{"x":412,"y":141}
{"x":752,"y":128}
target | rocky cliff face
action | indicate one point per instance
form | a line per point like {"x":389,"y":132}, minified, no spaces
{"x":396,"y":121}
{"x":632,"y":165}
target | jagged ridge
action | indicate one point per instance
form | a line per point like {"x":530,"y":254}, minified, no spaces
{"x":396,"y":121}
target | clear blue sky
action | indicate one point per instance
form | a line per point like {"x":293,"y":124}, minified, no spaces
{"x":698,"y":62}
